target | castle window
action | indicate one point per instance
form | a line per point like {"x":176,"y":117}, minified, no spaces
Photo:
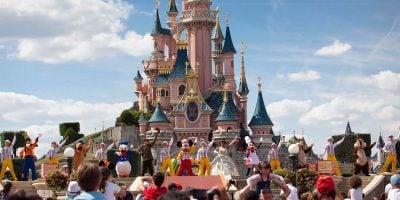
{"x":162,"y":92}
{"x":181,"y":90}
{"x":166,"y":93}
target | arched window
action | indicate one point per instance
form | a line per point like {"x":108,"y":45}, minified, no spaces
{"x":181,"y":90}
{"x":162,"y":92}
{"x":166,"y":93}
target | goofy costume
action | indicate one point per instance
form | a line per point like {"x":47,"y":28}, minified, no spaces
{"x":166,"y":158}
{"x":6,"y":155}
{"x":273,"y":155}
{"x":202,"y":158}
{"x":185,"y":157}
{"x":28,"y":154}
{"x":52,"y":152}
{"x":390,"y":149}
{"x":329,"y":153}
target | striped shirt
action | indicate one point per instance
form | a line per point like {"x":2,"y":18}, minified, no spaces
{"x":164,"y":152}
{"x":273,"y":154}
{"x":7,"y":152}
{"x":52,"y":152}
{"x":101,"y":154}
{"x":202,"y":152}
{"x":330,"y":148}
{"x":390,"y":146}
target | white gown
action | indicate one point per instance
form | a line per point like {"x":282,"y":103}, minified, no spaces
{"x":222,"y":164}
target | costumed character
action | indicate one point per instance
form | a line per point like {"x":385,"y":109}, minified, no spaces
{"x":273,"y":155}
{"x":185,"y":157}
{"x":147,"y":156}
{"x":360,"y":159}
{"x":166,"y":158}
{"x":101,"y":153}
{"x":54,"y":149}
{"x":123,"y":166}
{"x":80,"y":152}
{"x":390,"y":149}
{"x":222,"y":163}
{"x":302,"y":156}
{"x":329,"y":153}
{"x":251,"y":159}
{"x":29,"y":156}
{"x":6,"y":155}
{"x":202,"y":158}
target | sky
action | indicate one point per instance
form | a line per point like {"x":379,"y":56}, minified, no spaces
{"x":322,"y":63}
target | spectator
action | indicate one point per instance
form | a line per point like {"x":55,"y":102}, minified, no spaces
{"x":325,"y":188}
{"x":152,"y":193}
{"x":355,"y":193}
{"x":266,"y":194}
{"x":394,"y":193}
{"x":7,"y":185}
{"x":73,"y":189}
{"x":176,"y":195}
{"x":344,"y":195}
{"x":128,"y":195}
{"x":293,"y":190}
{"x":252,"y":195}
{"x":306,"y":196}
{"x":89,"y":178}
{"x":109,"y":189}
{"x":20,"y":194}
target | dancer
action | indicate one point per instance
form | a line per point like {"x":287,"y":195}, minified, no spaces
{"x":123,"y":166}
{"x":147,"y":156}
{"x":329,"y":153}
{"x":273,"y":155}
{"x":28,"y":154}
{"x":54,"y":149}
{"x":302,"y":155}
{"x":360,"y":159}
{"x":252,"y":159}
{"x":80,"y":153}
{"x":6,"y":155}
{"x":222,"y":163}
{"x":101,"y":153}
{"x":166,"y":158}
{"x":390,"y":149}
{"x":202,"y":158}
{"x":185,"y":156}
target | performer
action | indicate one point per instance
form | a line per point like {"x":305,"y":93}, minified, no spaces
{"x":252,"y":159}
{"x":273,"y":155}
{"x":147,"y":156}
{"x":185,"y":156}
{"x":54,"y":149}
{"x":28,"y":154}
{"x":6,"y":155}
{"x":302,"y":156}
{"x":390,"y":149}
{"x":166,"y":158}
{"x":202,"y":158}
{"x":80,"y":151}
{"x":123,"y":166}
{"x":222,"y":163}
{"x":101,"y":153}
{"x":360,"y":159}
{"x":263,"y":179}
{"x":329,"y":153}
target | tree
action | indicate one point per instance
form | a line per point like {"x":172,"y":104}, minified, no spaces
{"x":127,"y":118}
{"x":66,"y":125}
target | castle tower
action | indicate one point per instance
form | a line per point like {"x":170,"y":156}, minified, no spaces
{"x":348,"y":129}
{"x":216,"y":55}
{"x":172,"y":13}
{"x":226,"y":119}
{"x":199,"y":21}
{"x":228,"y":52}
{"x":159,"y":120}
{"x":138,"y":83}
{"x":142,"y":124}
{"x":243,"y":90}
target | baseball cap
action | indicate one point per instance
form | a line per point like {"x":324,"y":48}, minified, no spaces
{"x":395,"y":179}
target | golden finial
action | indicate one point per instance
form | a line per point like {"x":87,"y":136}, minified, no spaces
{"x":242,"y":73}
{"x":227,"y":18}
{"x":186,"y":67}
{"x":243,"y":47}
{"x":225,"y":96}
{"x":259,"y":83}
{"x":217,"y":10}
{"x":157,"y":4}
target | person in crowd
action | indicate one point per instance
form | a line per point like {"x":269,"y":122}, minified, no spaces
{"x":152,"y":193}
{"x":89,"y":178}
{"x":176,"y":195}
{"x":165,"y":157}
{"x":329,"y":153}
{"x":202,"y":158}
{"x":394,"y":193}
{"x":101,"y":153}
{"x":21,"y":194}
{"x":5,"y":194}
{"x":293,"y":190}
{"x":29,"y":158}
{"x":273,"y":155}
{"x":355,"y":193}
{"x":147,"y":156}
{"x":360,"y":159}
{"x":128,"y":195}
{"x":306,"y":196}
{"x":325,"y":188}
{"x":80,"y":152}
{"x":174,"y":186}
{"x":73,"y":188}
{"x":7,"y":153}
{"x":222,"y":164}
{"x":390,"y":149}
{"x":109,"y":189}
{"x":53,"y":151}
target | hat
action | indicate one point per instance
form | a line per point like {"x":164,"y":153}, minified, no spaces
{"x":273,"y":144}
{"x":179,"y":186}
{"x":102,"y":143}
{"x":395,"y":179}
{"x":325,"y":185}
{"x":73,"y":186}
{"x":330,"y":138}
{"x":7,"y":141}
{"x":247,"y":139}
{"x":164,"y":142}
{"x":390,"y":135}
{"x":172,"y":186}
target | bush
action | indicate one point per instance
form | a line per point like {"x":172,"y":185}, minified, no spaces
{"x":57,"y":181}
{"x":127,"y":118}
{"x":72,"y":136}
{"x":67,"y":125}
{"x":303,"y":177}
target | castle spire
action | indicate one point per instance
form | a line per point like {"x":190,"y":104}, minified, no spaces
{"x":243,"y":89}
{"x":228,"y":45}
{"x":172,"y":6}
{"x":225,"y":114}
{"x":157,"y":28}
{"x":158,"y":115}
{"x":348,"y":129}
{"x":218,"y":32}
{"x":138,"y":76}
{"x":260,"y":116}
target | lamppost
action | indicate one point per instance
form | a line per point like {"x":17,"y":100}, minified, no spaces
{"x":69,"y":153}
{"x":293,"y":151}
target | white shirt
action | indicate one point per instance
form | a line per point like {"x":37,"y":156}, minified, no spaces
{"x":330,"y":148}
{"x":52,"y":152}
{"x":202,"y":152}
{"x":73,"y":186}
{"x":164,"y":152}
{"x":393,"y":193}
{"x":102,"y":154}
{"x":111,"y":188}
{"x":274,"y":153}
{"x":356,"y":194}
{"x":293,"y":193}
{"x":7,"y":152}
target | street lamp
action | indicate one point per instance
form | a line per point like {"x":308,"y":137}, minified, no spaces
{"x":293,"y":151}
{"x":69,"y":153}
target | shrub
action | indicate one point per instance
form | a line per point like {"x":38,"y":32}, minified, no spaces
{"x":67,"y":125}
{"x":127,"y":118}
{"x":303,"y":177}
{"x":57,"y":181}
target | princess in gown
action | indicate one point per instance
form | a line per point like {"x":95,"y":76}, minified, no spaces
{"x":222,"y":163}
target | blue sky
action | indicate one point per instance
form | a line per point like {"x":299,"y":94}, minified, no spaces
{"x":322,"y":63}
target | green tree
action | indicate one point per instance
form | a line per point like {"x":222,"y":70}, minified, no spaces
{"x":67,"y":125}
{"x":127,"y":118}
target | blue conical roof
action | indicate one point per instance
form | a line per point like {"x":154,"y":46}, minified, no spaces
{"x":141,"y":118}
{"x":243,"y":90}
{"x":179,"y":69}
{"x":158,"y":29}
{"x":225,"y":114}
{"x":228,"y":45}
{"x":172,"y":6}
{"x":381,"y":143}
{"x":260,"y":116}
{"x":158,"y":115}
{"x":138,"y":76}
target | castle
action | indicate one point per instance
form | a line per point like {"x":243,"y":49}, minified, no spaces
{"x":190,"y":80}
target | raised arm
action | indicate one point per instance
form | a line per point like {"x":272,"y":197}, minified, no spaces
{"x":209,"y":145}
{"x":63,"y":142}
{"x":398,"y":135}
{"x":111,"y":145}
{"x":171,"y":142}
{"x":233,"y":141}
{"x":252,"y":180}
{"x":339,"y":142}
{"x":155,"y":139}
{"x":281,"y":184}
{"x":90,"y":145}
{"x":281,"y":141}
{"x":14,"y":140}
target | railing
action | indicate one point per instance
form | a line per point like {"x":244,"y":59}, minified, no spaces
{"x":198,"y":15}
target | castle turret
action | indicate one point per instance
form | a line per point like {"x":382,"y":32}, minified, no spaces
{"x":226,"y":118}
{"x":142,"y":124}
{"x":138,"y":82}
{"x":172,"y":13}
{"x":228,"y":52}
{"x":158,"y":32}
{"x":243,"y":90}
{"x":348,"y":129}
{"x":217,"y":53}
{"x":159,"y":120}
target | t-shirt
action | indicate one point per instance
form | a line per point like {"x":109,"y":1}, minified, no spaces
{"x":154,"y":192}
{"x":111,"y":188}
{"x":356,"y":194}
{"x":90,"y":196}
{"x":393,"y":193}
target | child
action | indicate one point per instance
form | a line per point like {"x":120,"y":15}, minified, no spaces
{"x":355,"y":193}
{"x":89,"y":178}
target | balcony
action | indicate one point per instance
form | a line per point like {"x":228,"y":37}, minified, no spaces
{"x":198,"y":16}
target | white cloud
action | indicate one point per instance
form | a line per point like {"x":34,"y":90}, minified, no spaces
{"x":309,"y":75}
{"x":288,"y":107}
{"x":336,"y":48}
{"x":71,"y":30}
